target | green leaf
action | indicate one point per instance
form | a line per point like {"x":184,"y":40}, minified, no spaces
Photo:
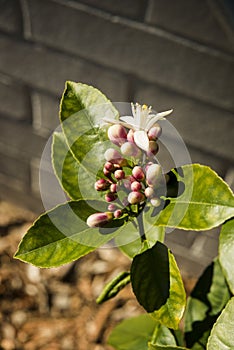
{"x":65,"y":166}
{"x":114,"y":287}
{"x":171,"y":313}
{"x":129,"y":240}
{"x":207,"y":300}
{"x":81,"y":113}
{"x":150,"y":277}
{"x":165,"y":347}
{"x":226,"y":252}
{"x":62,"y":235}
{"x":73,"y":178}
{"x":221,"y":337}
{"x":205,"y":202}
{"x":136,"y":332}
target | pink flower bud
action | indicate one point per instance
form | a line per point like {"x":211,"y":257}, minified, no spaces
{"x":149,"y":192}
{"x":119,"y":174}
{"x":109,"y":166}
{"x":118,"y":213}
{"x":99,"y":219}
{"x":112,"y":207}
{"x":101,"y":185}
{"x":135,"y":197}
{"x":155,"y":201}
{"x":130,"y":136}
{"x":153,"y":149}
{"x":117,"y":134}
{"x":136,"y":186}
{"x":127,"y":184}
{"x":110,"y":197}
{"x":154,"y":175}
{"x":113,"y":188}
{"x":138,"y":173}
{"x":155,"y":132}
{"x":129,"y":149}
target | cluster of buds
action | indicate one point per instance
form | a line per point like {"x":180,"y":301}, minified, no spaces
{"x":125,"y":184}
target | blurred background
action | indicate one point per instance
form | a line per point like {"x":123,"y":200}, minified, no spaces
{"x":168,"y":54}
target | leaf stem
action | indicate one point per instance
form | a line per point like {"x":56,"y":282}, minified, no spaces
{"x":141,"y":228}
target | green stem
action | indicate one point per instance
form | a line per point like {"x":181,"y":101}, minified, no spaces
{"x":141,"y":228}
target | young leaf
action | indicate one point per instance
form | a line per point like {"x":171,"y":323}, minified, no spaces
{"x":207,"y":300}
{"x":114,"y":287}
{"x":136,"y":332}
{"x":226,"y":252}
{"x":206,"y":201}
{"x":221,"y":336}
{"x":62,"y":235}
{"x":171,"y":313}
{"x":150,"y":277}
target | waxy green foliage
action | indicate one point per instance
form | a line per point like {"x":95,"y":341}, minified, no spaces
{"x":226,"y":252}
{"x":203,"y":201}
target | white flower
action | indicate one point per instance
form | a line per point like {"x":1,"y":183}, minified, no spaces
{"x":141,"y":121}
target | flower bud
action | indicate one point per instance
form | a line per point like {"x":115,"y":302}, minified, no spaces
{"x":101,"y":185}
{"x":109,"y":166}
{"x":119,"y":174}
{"x":113,"y":188}
{"x":129,"y":149}
{"x":146,"y":167}
{"x":135,"y":197}
{"x":111,"y":155}
{"x":117,"y":134}
{"x":112,"y":207}
{"x":154,"y":175}
{"x":130,"y":136}
{"x":136,"y":186}
{"x":127,"y":184}
{"x":99,"y":219}
{"x":138,"y":173}
{"x":155,"y":132}
{"x":153,"y":149}
{"x":155,"y":201}
{"x":110,"y":197}
{"x":149,"y":192}
{"x":118,"y":213}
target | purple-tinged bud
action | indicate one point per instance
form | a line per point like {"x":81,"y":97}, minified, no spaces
{"x":118,"y":213}
{"x":135,"y":197}
{"x":101,"y":185}
{"x":117,"y":134}
{"x":155,"y":201}
{"x":119,"y":174}
{"x":155,"y":132}
{"x":146,"y":167}
{"x":138,"y":173}
{"x":109,"y":166}
{"x":130,"y":136}
{"x":136,"y":186}
{"x":125,"y":201}
{"x":127,"y":184}
{"x":129,"y":149}
{"x":154,"y":175}
{"x":113,"y":188}
{"x":153,"y":149}
{"x":99,"y":219}
{"x":149,"y":192}
{"x":112,"y":207}
{"x":110,"y":197}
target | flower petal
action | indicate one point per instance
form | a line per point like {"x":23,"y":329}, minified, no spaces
{"x":141,"y":140}
{"x":154,"y":118}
